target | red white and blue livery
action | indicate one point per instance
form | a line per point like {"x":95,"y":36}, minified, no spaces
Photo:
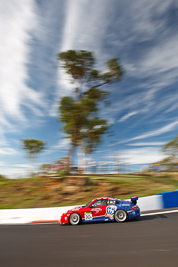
{"x":103,"y":209}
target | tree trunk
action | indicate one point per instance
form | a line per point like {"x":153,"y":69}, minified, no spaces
{"x":71,"y":150}
{"x":81,"y":158}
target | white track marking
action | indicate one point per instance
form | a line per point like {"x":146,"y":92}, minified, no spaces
{"x":160,"y":212}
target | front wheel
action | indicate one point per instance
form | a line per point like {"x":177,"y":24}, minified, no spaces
{"x":120,"y":216}
{"x":74,"y":218}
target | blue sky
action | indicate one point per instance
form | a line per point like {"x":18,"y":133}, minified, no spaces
{"x":143,"y":113}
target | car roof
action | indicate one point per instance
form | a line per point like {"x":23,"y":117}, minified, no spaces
{"x":111,"y":198}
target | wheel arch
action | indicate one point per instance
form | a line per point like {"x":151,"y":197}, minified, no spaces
{"x":122,"y":209}
{"x":75,"y":213}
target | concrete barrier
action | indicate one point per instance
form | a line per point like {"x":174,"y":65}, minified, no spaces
{"x":37,"y":215}
{"x":150,"y":203}
{"x":170,"y":199}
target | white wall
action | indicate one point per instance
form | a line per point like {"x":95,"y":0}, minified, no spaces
{"x":18,"y":216}
{"x":150,"y":203}
{"x":30,"y":215}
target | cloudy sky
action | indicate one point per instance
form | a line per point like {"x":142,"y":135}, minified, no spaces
{"x":144,"y":106}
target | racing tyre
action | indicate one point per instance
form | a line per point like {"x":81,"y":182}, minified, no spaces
{"x":120,"y":215}
{"x":74,"y":219}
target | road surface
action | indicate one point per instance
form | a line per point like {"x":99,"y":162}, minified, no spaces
{"x":151,"y":241}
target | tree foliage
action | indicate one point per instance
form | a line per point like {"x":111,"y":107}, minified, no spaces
{"x":171,"y":149}
{"x":80,"y":113}
{"x":33,"y":147}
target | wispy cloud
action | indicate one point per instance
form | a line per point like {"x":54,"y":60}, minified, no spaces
{"x":147,"y":144}
{"x":149,"y":51}
{"x":63,"y":144}
{"x":18,"y":20}
{"x":169,"y":127}
{"x":8,"y":151}
{"x":23,"y":166}
{"x":144,"y":155}
{"x":127,"y":116}
{"x":150,"y":26}
{"x":157,"y":132}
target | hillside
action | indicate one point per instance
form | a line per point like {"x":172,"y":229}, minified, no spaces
{"x":45,"y":191}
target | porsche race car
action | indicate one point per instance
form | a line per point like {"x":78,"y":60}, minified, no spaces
{"x":102,"y":209}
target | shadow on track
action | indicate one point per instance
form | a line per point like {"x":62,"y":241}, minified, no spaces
{"x":152,"y":217}
{"x":141,"y":219}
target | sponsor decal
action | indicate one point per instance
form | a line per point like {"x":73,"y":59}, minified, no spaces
{"x":88,"y":216}
{"x":96,"y":210}
{"x":110,"y":211}
{"x":77,"y":208}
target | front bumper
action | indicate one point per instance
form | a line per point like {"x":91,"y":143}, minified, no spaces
{"x":64,"y":219}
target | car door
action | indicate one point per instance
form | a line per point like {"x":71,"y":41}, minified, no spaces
{"x":98,"y":209}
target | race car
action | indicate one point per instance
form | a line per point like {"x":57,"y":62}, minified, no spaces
{"x":102,"y":209}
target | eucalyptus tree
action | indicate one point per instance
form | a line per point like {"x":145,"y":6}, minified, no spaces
{"x":171,"y":149}
{"x":33,"y":148}
{"x":80,"y":112}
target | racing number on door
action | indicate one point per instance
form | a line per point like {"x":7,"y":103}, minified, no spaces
{"x":88,"y":216}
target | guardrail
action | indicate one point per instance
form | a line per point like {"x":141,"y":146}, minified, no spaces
{"x":42,"y":215}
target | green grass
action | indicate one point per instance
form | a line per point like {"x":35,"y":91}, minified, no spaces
{"x":37,"y":192}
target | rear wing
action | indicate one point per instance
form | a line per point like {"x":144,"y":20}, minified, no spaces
{"x":134,"y":200}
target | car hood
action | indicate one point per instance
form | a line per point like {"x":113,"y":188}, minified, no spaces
{"x":76,"y":208}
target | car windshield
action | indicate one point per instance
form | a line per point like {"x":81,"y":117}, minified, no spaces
{"x":88,"y":203}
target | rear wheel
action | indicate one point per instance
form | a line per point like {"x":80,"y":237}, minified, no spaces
{"x":74,"y":218}
{"x":120,"y":216}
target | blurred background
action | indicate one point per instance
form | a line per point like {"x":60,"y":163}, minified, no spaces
{"x":143,"y":110}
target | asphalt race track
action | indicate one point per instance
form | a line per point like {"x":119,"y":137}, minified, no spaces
{"x":151,"y":241}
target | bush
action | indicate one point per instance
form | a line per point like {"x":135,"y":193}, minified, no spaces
{"x":2,"y":177}
{"x":63,"y":173}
